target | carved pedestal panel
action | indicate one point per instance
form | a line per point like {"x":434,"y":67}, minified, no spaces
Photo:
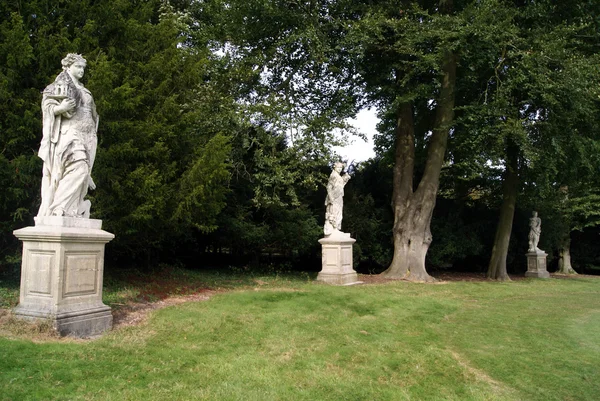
{"x":62,"y":273}
{"x":536,"y":265}
{"x":337,"y":260}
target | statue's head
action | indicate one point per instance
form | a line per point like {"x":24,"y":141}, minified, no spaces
{"x":338,"y":166}
{"x":71,"y":59}
{"x":534,"y":213}
{"x":74,"y":64}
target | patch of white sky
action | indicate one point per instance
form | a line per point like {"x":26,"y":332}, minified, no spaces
{"x":358,"y":149}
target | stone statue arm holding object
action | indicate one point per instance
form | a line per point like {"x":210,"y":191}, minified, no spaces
{"x":68,"y":146}
{"x":65,"y":108}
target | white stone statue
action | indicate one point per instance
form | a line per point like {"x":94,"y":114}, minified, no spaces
{"x":69,"y":142}
{"x":334,"y":201}
{"x":535,"y":225}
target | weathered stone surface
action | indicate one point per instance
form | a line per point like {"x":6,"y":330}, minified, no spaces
{"x":69,"y":142}
{"x":536,"y":265}
{"x":535,"y":230}
{"x":59,"y":221}
{"x":334,"y":202}
{"x":62,"y":275}
{"x":63,"y":254}
{"x":337,"y":260}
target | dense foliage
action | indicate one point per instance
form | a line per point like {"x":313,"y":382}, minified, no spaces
{"x":217,"y":120}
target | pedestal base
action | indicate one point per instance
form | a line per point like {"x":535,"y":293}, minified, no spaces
{"x":338,"y":278}
{"x":79,"y":323}
{"x":536,"y":265}
{"x":337,"y":260}
{"x":62,"y":274}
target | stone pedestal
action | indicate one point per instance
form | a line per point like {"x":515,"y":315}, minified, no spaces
{"x":62,"y":273}
{"x":337,"y":260}
{"x":536,"y":265}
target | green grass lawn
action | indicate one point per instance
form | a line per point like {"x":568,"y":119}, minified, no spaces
{"x":288,"y":338}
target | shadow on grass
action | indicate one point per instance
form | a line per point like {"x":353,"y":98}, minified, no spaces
{"x":132,"y":285}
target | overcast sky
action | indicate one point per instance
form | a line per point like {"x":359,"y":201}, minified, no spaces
{"x":359,"y":150}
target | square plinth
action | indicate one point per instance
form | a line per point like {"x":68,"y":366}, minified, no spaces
{"x":337,"y":260}
{"x":536,"y":265}
{"x":62,"y":275}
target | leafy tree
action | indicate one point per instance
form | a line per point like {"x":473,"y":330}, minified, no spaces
{"x":268,"y":209}
{"x":166,"y":115}
{"x":545,"y":102}
{"x":411,"y":54}
{"x":317,"y":58}
{"x":523,"y":63}
{"x":367,"y":214}
{"x":416,"y":60}
{"x":291,"y":87}
{"x":18,"y":122}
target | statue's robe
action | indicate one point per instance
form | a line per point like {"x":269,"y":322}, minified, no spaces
{"x":68,"y":150}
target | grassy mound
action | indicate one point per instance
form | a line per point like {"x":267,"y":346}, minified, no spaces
{"x":288,"y":338}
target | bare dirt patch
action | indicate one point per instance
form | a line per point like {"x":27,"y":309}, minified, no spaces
{"x":134,"y":313}
{"x":440,"y":277}
{"x":470,"y":277}
{"x":124,"y":315}
{"x":449,"y":276}
{"x":572,"y":276}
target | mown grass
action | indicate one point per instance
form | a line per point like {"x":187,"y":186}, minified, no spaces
{"x":288,"y":338}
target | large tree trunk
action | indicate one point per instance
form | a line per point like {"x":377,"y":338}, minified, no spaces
{"x":402,"y":192}
{"x":413,"y":210}
{"x":564,"y":258}
{"x":510,"y":187}
{"x":564,"y":252}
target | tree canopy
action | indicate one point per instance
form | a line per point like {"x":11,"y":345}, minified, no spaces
{"x":217,"y":120}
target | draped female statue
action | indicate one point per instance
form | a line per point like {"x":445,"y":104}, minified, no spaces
{"x":535,"y":229}
{"x":334,"y":202}
{"x":69,"y":142}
